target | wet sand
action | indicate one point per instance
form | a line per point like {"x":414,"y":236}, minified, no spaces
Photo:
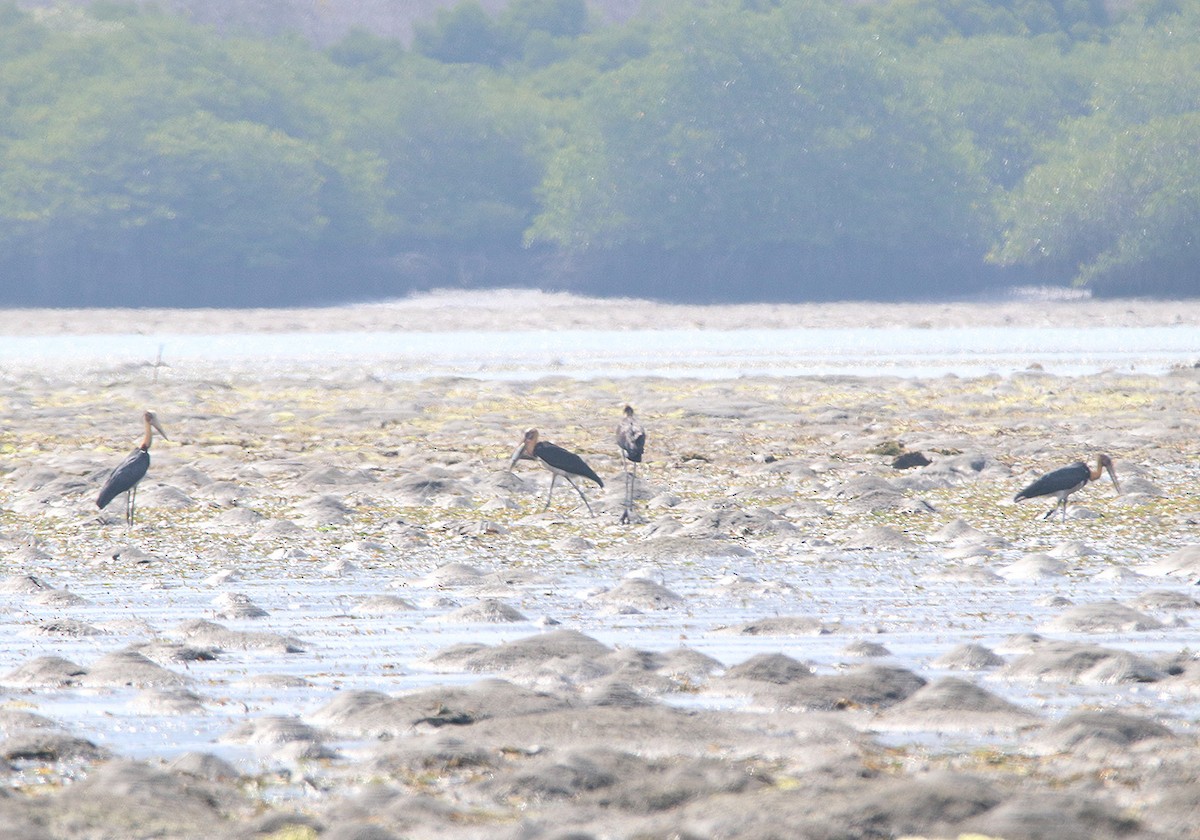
{"x":340,"y":615}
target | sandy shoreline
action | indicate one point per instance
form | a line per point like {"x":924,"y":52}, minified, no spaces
{"x":341,"y":616}
{"x":524,"y":310}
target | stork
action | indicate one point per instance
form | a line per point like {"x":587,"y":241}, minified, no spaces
{"x":1061,"y":483}
{"x":631,"y":440}
{"x":559,"y":461}
{"x":125,"y":478}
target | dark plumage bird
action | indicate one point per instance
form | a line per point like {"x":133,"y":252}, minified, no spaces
{"x":125,"y":478}
{"x":631,"y":440}
{"x":1063,"y":482}
{"x":559,"y":461}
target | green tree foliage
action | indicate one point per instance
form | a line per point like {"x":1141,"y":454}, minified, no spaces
{"x":461,"y":34}
{"x":1116,"y":201}
{"x":917,"y":21}
{"x":744,"y":131}
{"x":537,"y":31}
{"x":372,"y":55}
{"x":460,"y":156}
{"x":709,"y":148}
{"x":1012,"y":94}
{"x":149,"y":149}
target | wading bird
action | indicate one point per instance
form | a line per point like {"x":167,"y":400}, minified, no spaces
{"x":631,"y":439}
{"x":559,"y":461}
{"x":125,"y":478}
{"x":1063,"y":482}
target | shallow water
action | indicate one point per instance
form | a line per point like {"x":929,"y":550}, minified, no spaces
{"x":883,"y":597}
{"x":693,"y":353}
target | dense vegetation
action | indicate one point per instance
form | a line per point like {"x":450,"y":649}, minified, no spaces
{"x":706,"y":150}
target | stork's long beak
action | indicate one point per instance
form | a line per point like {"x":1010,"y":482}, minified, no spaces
{"x":516,"y":456}
{"x":159,"y":428}
{"x":1113,"y":475}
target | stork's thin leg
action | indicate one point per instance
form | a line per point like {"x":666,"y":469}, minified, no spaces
{"x":630,"y":486}
{"x":628,"y":490}
{"x":580,"y":492}
{"x":130,"y":502}
{"x":553,"y":478}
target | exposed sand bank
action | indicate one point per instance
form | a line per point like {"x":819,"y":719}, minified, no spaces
{"x":339,"y":615}
{"x":523,"y":310}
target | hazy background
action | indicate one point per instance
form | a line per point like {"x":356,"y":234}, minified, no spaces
{"x":277,"y":152}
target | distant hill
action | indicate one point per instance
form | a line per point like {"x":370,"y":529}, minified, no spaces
{"x":325,"y":21}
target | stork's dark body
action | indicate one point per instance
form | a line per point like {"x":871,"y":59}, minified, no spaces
{"x":125,"y":477}
{"x":1064,"y":481}
{"x":631,"y":437}
{"x":1061,"y":483}
{"x":563,"y":462}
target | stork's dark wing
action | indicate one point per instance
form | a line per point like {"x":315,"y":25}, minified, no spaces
{"x":128,"y":473}
{"x":559,"y":458}
{"x":632,"y":440}
{"x":1066,"y":478}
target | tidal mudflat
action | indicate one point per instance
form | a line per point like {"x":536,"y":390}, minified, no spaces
{"x":340,"y":615}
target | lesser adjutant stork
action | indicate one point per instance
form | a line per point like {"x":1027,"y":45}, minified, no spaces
{"x":559,"y":461}
{"x":125,"y":478}
{"x":1063,"y":482}
{"x":631,"y":440}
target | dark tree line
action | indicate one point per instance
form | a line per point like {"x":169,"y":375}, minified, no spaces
{"x":706,"y":150}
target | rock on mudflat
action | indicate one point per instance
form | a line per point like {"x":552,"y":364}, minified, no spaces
{"x":323,"y":511}
{"x":1057,"y":816}
{"x":969,"y":657}
{"x":773,"y":668}
{"x":167,"y":702}
{"x":864,"y":687}
{"x":215,"y":635}
{"x":1034,"y":567}
{"x":130,"y":668}
{"x":1102,"y":617}
{"x":794,"y":625}
{"x":272,"y":729}
{"x":45,"y":672}
{"x":1165,"y":600}
{"x":879,"y":537}
{"x":622,"y":781}
{"x":639,"y":594}
{"x":168,"y":653}
{"x":1072,"y":662}
{"x":58,"y":598}
{"x":130,"y":799}
{"x":531,"y":650}
{"x":926,"y":805}
{"x":1183,"y":562}
{"x":451,"y":574}
{"x":384,"y":605}
{"x":64,"y":627}
{"x":50,"y":745}
{"x":865,"y":649}
{"x":954,"y":705}
{"x":372,"y":714}
{"x":670,"y":546}
{"x":234,"y":605}
{"x":27,"y":584}
{"x":487,"y":611}
{"x":1098,"y":731}
{"x":205,"y":766}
